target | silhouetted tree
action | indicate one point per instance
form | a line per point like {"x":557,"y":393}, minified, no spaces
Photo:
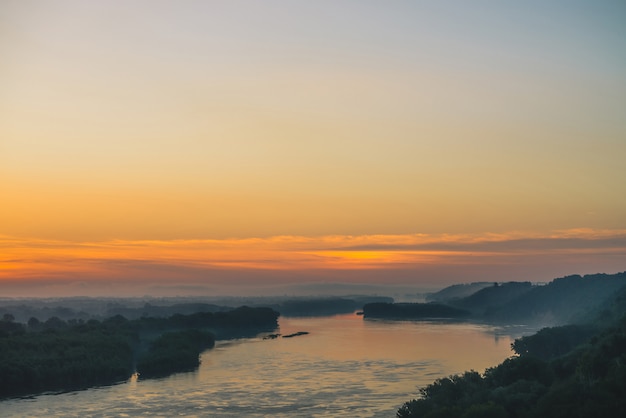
{"x":34,"y":323}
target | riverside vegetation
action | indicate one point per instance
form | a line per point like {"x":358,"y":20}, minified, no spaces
{"x":91,"y":342}
{"x":58,"y":355}
{"x":574,"y":370}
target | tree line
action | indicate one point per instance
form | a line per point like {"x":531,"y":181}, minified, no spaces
{"x":574,"y":371}
{"x":56,"y":355}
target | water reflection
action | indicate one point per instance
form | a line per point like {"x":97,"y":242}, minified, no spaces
{"x":346,"y":366}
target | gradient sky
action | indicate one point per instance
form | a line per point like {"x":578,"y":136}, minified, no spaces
{"x":198,"y":144}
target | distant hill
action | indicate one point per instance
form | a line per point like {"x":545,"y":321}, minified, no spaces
{"x":576,"y":370}
{"x":457,"y":291}
{"x":612,"y":310}
{"x":492,"y":297}
{"x":566,"y":300}
{"x":571,"y":299}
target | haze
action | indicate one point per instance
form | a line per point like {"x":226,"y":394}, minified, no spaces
{"x":155,"y":147}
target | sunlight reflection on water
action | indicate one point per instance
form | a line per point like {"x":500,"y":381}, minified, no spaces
{"x":345,"y":367}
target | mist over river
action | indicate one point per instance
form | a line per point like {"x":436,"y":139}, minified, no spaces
{"x":346,"y":366}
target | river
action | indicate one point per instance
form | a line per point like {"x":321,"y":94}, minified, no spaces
{"x":346,"y":366}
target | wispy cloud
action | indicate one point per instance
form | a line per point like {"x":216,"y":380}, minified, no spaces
{"x":411,"y":258}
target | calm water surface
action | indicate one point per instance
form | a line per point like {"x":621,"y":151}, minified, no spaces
{"x":345,"y":367}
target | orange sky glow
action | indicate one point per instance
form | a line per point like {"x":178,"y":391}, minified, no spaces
{"x":156,"y":147}
{"x":258,"y":261}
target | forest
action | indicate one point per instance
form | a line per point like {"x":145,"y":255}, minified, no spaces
{"x":574,"y":367}
{"x":575,"y":370}
{"x":565,"y":300}
{"x":58,"y":355}
{"x":322,"y":306}
{"x":412,"y":311}
{"x":134,"y":308}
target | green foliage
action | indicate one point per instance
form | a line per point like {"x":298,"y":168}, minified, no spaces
{"x":571,"y":299}
{"x":519,"y":396}
{"x":54,"y":323}
{"x":583,"y":378}
{"x":550,"y":343}
{"x":485,"y":410}
{"x":60,"y":355}
{"x":520,"y":368}
{"x":55,"y":360}
{"x":493,"y":297}
{"x":9,"y":327}
{"x":242,"y":318}
{"x":174,"y":352}
{"x":457,"y":291}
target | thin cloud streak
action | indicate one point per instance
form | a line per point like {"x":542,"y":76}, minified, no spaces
{"x":27,"y":259}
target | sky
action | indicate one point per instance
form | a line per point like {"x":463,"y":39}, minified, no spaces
{"x":198,"y":147}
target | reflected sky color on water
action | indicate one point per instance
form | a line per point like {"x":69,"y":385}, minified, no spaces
{"x":345,"y":367}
